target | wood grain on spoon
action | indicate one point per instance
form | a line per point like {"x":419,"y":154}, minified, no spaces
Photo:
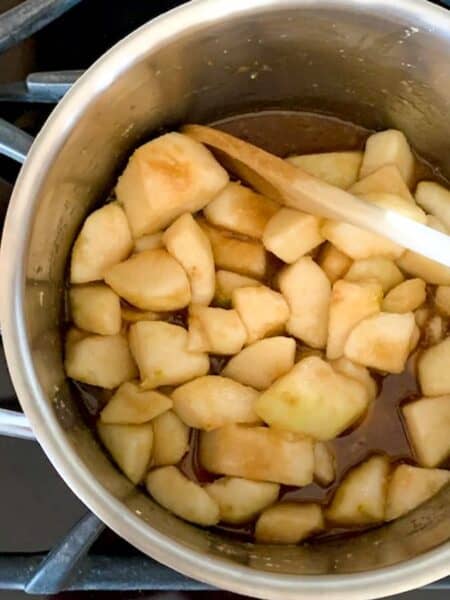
{"x":295,"y":188}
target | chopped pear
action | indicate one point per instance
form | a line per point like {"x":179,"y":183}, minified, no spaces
{"x":361,"y":497}
{"x":422,"y":315}
{"x":186,"y":499}
{"x":170,"y":439}
{"x":263,"y":311}
{"x":227,"y":282}
{"x":386,"y":179}
{"x":336,"y":168}
{"x":130,"y":446}
{"x":258,"y":453}
{"x":133,"y":315}
{"x":160,"y":352}
{"x":376,"y":268}
{"x":241,"y":500}
{"x":95,"y":308}
{"x":358,"y":243}
{"x":433,"y":331}
{"x":410,"y":487}
{"x":104,"y":240}
{"x":428,"y":424}
{"x":101,"y":360}
{"x":240,"y":209}
{"x":442,"y":299}
{"x":149,"y":242}
{"x":307,"y":290}
{"x":433,"y":369}
{"x":166,"y":177}
{"x":350,"y":369}
{"x":350,"y":303}
{"x":289,"y":523}
{"x":421,"y":266}
{"x":381,"y":341}
{"x":415,"y":339}
{"x":435,"y":199}
{"x":213,"y":401}
{"x":190,"y":246}
{"x":313,"y":399}
{"x":73,"y":336}
{"x":131,"y":405}
{"x":334,"y":263}
{"x":397,"y":204}
{"x":216,"y":330}
{"x":388,"y":147}
{"x":324,"y":464}
{"x":247,"y":257}
{"x":291,"y":234}
{"x":151,"y":280}
{"x":259,"y":364}
{"x":405,"y":297}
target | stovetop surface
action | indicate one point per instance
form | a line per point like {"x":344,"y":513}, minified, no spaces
{"x":36,"y":507}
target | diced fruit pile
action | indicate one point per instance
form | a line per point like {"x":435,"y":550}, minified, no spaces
{"x":306,"y":315}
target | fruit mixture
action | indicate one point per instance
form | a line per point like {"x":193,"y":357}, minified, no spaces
{"x":220,"y":322}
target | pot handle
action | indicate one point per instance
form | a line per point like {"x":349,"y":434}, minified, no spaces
{"x":15,"y":424}
{"x":14,"y":142}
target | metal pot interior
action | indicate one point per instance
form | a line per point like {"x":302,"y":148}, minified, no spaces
{"x":377,"y":67}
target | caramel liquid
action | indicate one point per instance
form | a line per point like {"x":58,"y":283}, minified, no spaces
{"x":382,"y":430}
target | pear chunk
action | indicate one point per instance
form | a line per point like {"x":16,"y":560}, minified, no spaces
{"x":170,"y":439}
{"x":434,"y":371}
{"x":350,"y":369}
{"x":160,"y":352}
{"x":227,"y":282}
{"x":263,"y":311}
{"x":421,"y":266}
{"x":101,"y":360}
{"x":186,"y":499}
{"x":95,"y":308}
{"x":258,"y":453}
{"x":409,"y":487}
{"x":240,"y":209}
{"x":213,"y":401}
{"x":324,"y":464}
{"x":151,"y":280}
{"x":216,"y":330}
{"x":435,"y":199}
{"x":361,"y":497}
{"x":259,"y":364}
{"x":382,"y":341}
{"x":132,"y":406}
{"x":397,"y":204}
{"x":241,"y":500}
{"x":247,"y":257}
{"x":350,"y":303}
{"x":289,"y":523}
{"x":386,"y":179}
{"x":377,"y":268}
{"x":314,"y":400}
{"x":190,"y":246}
{"x":336,"y":168}
{"x":149,"y":242}
{"x":442,"y":299}
{"x":405,"y":297}
{"x":291,"y":234}
{"x":130,"y":446}
{"x":358,"y":243}
{"x":428,"y":424}
{"x":104,"y":240}
{"x":166,"y":177}
{"x":334,"y":263}
{"x":388,"y":147}
{"x":307,"y":291}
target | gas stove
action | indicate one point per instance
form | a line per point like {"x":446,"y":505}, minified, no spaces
{"x":48,"y":540}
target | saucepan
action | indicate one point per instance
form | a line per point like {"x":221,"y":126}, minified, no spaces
{"x":374,"y":62}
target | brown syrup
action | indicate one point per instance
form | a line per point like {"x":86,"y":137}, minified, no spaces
{"x":381,"y":431}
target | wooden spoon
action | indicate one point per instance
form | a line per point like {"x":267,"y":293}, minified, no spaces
{"x":295,"y":188}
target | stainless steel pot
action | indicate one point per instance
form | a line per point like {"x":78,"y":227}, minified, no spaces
{"x":378,"y":63}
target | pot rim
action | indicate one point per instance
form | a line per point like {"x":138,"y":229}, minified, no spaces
{"x":404,"y":576}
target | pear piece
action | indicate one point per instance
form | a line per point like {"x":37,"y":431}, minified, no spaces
{"x":386,"y":179}
{"x":216,"y":330}
{"x":95,"y":308}
{"x":336,"y":168}
{"x":324,"y":464}
{"x":170,"y":439}
{"x":131,"y":405}
{"x":388,"y":147}
{"x":351,"y":369}
{"x":227,"y":282}
{"x":334,"y":263}
{"x":405,"y":297}
{"x":149,"y":242}
{"x":433,"y":369}
{"x":435,"y":199}
{"x":442,"y":299}
{"x":289,"y":523}
{"x":377,"y":268}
